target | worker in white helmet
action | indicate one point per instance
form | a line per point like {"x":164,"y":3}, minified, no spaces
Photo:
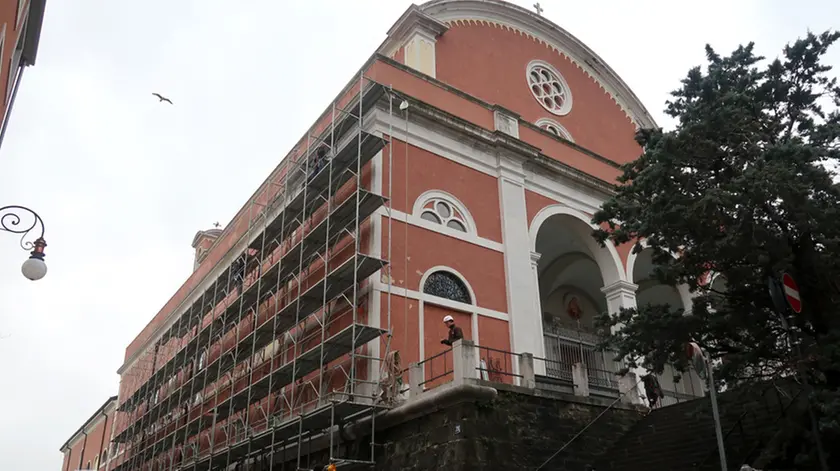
{"x":455,"y":332}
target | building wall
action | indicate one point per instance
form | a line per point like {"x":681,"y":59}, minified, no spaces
{"x":88,"y":445}
{"x":488,"y":174}
{"x":515,"y":430}
{"x":489,"y":62}
{"x":12,"y":19}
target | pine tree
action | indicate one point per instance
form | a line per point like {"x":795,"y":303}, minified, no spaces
{"x":743,"y":188}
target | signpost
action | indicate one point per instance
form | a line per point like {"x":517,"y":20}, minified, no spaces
{"x":790,"y":290}
{"x":792,"y":293}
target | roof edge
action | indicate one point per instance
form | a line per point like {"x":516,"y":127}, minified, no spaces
{"x":111,"y":400}
{"x":550,"y":33}
{"x":34,"y":23}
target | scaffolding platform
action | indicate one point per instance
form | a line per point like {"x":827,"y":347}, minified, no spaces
{"x":341,"y":163}
{"x":338,"y":281}
{"x":299,"y":219}
{"x":310,"y":361}
{"x":342,"y":218}
{"x":310,"y":424}
{"x":283,"y":225}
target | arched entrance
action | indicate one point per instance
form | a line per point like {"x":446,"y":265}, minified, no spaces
{"x":571,"y":271}
{"x":640,"y":269}
{"x":677,"y":386}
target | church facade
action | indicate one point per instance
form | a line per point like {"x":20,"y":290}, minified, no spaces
{"x":493,"y":135}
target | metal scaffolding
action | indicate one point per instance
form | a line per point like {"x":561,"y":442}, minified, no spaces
{"x":272,"y":354}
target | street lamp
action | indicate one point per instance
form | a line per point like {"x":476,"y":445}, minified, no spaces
{"x":33,"y":268}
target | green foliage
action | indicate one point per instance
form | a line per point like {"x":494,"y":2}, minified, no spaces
{"x":742,"y":188}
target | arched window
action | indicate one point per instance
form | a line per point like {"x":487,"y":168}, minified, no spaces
{"x":88,"y":465}
{"x":104,"y":458}
{"x":555,"y":128}
{"x":441,"y":208}
{"x":446,"y":285}
{"x":96,"y":462}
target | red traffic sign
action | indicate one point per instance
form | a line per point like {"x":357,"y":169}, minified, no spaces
{"x":792,"y":293}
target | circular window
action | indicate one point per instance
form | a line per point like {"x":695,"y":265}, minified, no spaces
{"x":549,"y":88}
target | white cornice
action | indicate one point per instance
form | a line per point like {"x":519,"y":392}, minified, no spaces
{"x":510,"y":16}
{"x":412,"y":20}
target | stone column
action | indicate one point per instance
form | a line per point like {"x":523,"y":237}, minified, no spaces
{"x":522,"y":291}
{"x":464,"y":361}
{"x":526,"y":369}
{"x":580,"y":379}
{"x":622,"y":294}
{"x":539,"y":367}
{"x":415,"y":377}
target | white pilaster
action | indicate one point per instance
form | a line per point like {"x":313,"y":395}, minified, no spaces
{"x":522,"y":289}
{"x":539,"y":367}
{"x":420,"y":52}
{"x":417,"y":33}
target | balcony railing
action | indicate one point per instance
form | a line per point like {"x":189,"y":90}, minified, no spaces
{"x":467,"y":362}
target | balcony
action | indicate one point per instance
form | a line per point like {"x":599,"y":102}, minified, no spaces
{"x":572,"y":367}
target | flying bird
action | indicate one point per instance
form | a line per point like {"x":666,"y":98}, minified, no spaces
{"x":162,"y":98}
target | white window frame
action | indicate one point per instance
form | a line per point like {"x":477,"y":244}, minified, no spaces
{"x":543,"y":123}
{"x":467,"y":219}
{"x":566,"y":107}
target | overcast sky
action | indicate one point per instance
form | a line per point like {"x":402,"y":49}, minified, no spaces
{"x":124,"y":182}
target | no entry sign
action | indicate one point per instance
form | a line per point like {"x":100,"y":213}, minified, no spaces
{"x":792,"y":293}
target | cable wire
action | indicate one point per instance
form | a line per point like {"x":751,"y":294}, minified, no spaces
{"x":588,"y":425}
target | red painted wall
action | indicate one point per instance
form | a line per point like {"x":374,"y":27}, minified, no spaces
{"x":490,"y":63}
{"x":9,"y":17}
{"x":89,"y":450}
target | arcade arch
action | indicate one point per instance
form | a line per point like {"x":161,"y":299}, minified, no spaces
{"x":641,"y":271}
{"x":572,"y":271}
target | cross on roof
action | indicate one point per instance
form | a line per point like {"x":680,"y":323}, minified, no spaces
{"x":538,"y":8}
{"x":217,"y":225}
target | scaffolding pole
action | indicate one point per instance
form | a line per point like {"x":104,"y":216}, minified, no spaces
{"x":288,"y":305}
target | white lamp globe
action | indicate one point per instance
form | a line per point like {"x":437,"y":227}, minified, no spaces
{"x":34,"y":268}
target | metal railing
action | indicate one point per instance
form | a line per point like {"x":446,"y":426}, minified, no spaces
{"x":497,"y":365}
{"x":674,"y":397}
{"x":602,"y":378}
{"x":437,"y":368}
{"x":558,"y":370}
{"x":563,"y":352}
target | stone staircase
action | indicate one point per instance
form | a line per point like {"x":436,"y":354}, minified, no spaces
{"x":681,"y":437}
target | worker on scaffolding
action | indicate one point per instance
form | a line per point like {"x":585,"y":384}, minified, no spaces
{"x":455,"y":332}
{"x":319,"y":162}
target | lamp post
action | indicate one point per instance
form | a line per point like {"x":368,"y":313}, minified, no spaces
{"x":703,"y":365}
{"x":11,"y":218}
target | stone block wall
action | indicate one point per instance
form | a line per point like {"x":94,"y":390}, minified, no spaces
{"x":520,"y":428}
